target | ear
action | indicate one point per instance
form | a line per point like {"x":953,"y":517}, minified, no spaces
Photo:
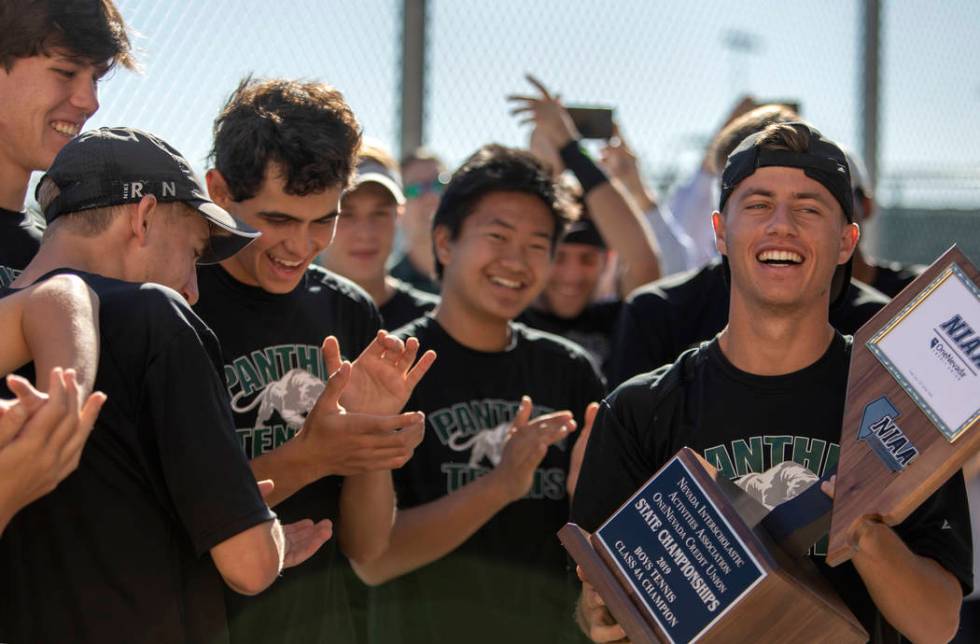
{"x":849,"y":237}
{"x":442,"y":245}
{"x":142,"y":218}
{"x":218,"y":188}
{"x":718,"y":225}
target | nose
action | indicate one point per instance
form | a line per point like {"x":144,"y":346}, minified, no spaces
{"x":781,"y":220}
{"x":86,"y":94}
{"x":189,"y":289}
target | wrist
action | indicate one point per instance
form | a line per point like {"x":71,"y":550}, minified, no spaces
{"x":499,"y":487}
{"x":588,"y":173}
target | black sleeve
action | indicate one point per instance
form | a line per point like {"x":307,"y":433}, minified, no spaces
{"x":619,"y":456}
{"x":206,"y":473}
{"x":940,"y":530}
{"x":640,"y":342}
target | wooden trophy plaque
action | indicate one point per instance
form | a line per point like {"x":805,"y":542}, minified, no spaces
{"x":686,"y":558}
{"x":913,"y":399}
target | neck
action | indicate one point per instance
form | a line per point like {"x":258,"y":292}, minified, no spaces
{"x":861,"y":270}
{"x":471,"y":329}
{"x":767,"y":343}
{"x":380,"y":288}
{"x":13,"y":186}
{"x":63,"y":250}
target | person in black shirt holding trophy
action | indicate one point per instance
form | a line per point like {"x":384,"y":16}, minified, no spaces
{"x":770,"y":388}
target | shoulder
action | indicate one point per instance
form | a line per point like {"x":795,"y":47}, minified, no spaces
{"x":420,"y":298}
{"x":419,"y":328}
{"x":321,"y":283}
{"x":547,"y":344}
{"x":676,"y":290}
{"x":664,"y":384}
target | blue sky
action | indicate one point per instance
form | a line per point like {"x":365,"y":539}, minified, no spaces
{"x":664,"y":65}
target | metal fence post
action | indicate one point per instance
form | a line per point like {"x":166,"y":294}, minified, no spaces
{"x":413,"y":75}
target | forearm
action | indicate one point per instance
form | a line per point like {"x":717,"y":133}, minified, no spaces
{"x":897,"y":578}
{"x":367,"y":512}
{"x":428,"y":532}
{"x":61,"y":328}
{"x":289,"y":469}
{"x":626,"y":231}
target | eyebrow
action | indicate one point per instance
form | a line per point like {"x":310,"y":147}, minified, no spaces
{"x":500,"y":222}
{"x":286,"y":215}
{"x":816,"y":196}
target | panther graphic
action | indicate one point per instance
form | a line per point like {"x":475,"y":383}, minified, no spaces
{"x":487,"y":443}
{"x":292,"y":396}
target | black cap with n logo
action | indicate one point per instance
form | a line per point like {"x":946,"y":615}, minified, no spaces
{"x":115,"y":166}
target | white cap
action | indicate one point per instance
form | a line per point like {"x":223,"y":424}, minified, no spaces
{"x":370,"y":171}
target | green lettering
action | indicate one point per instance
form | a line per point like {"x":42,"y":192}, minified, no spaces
{"x":833,"y":456}
{"x":443,"y":423}
{"x":247,"y":376}
{"x":467,"y":424}
{"x":309,"y":358}
{"x":808,"y":452}
{"x":265,"y":364}
{"x":748,"y":457}
{"x":718,"y":457}
{"x":778,"y":445}
{"x":286,"y":352}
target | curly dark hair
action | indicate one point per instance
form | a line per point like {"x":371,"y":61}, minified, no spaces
{"x":496,"y":168}
{"x":92,"y":30}
{"x":304,"y":127}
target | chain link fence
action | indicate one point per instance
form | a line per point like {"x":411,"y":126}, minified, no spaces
{"x":672,"y":70}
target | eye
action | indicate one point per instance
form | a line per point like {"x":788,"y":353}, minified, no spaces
{"x":63,"y":72}
{"x":495,"y":236}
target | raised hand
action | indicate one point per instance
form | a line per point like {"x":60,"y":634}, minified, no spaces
{"x":339,"y":442}
{"x":41,"y":437}
{"x":578,"y":452}
{"x":301,"y":539}
{"x":526,"y":446}
{"x":547,"y":114}
{"x":383,"y":376}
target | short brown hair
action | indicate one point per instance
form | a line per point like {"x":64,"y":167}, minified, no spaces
{"x":304,"y":127}
{"x":780,"y":136}
{"x":93,"y":30}
{"x":749,"y":123}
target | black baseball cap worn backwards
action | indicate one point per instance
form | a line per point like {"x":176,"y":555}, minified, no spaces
{"x":115,"y":166}
{"x":823,"y":161}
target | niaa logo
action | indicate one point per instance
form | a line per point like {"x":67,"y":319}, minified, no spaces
{"x":886,"y":438}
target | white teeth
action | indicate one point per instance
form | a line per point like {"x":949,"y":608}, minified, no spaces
{"x":65,"y":127}
{"x":780,"y":256}
{"x":500,"y":281}
{"x":285,"y":263}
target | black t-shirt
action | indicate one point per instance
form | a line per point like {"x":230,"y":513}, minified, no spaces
{"x":508,"y":582}
{"x":592,"y":329}
{"x":661,"y":320}
{"x":274,"y":372}
{"x":20,"y":237}
{"x":744,"y":423}
{"x":119,"y":550}
{"x":405,"y":271}
{"x":892,"y":277}
{"x":405,"y":305}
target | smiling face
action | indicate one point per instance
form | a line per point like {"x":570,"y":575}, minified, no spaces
{"x":574,"y":279}
{"x":46,"y":102}
{"x":501,"y":258}
{"x":784,"y":235}
{"x":294,"y":230}
{"x":365,"y":234}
